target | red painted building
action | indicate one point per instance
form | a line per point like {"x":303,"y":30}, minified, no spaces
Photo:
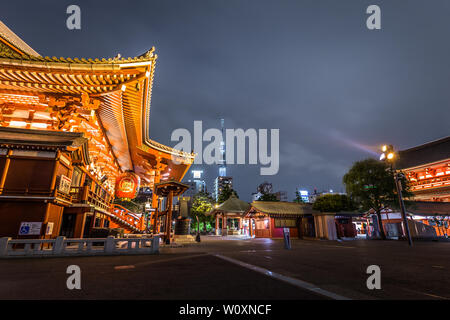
{"x":427,"y":167}
{"x":69,"y":130}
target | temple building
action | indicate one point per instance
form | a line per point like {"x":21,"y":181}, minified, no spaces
{"x":229,"y":217}
{"x":74,"y":136}
{"x":427,"y":167}
{"x":267,"y":219}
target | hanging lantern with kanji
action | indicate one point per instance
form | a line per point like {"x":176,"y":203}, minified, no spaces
{"x":127,"y":186}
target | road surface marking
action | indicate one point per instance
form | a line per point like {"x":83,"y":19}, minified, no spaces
{"x":439,"y":267}
{"x":296,"y":282}
{"x":123,"y":267}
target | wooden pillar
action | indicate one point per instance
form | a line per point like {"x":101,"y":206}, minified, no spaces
{"x":224,"y":225}
{"x":250,"y":228}
{"x":240,"y":225}
{"x":5,"y":170}
{"x":217,"y":224}
{"x":55,"y":168}
{"x":155,"y":220}
{"x":169,"y":217}
{"x":142,"y":223}
{"x":155,"y":199}
{"x":155,"y":205}
{"x":270,"y":226}
{"x":79,"y":224}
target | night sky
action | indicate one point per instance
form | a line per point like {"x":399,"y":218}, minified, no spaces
{"x":335,"y":89}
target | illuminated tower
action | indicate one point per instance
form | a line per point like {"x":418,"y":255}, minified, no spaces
{"x":222,"y":180}
{"x":223,"y":162}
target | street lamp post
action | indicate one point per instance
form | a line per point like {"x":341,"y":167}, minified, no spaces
{"x":389,"y":155}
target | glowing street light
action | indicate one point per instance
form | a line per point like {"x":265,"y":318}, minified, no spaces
{"x":389,"y":155}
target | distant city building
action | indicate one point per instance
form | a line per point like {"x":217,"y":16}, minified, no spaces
{"x":281,"y":196}
{"x":304,"y":195}
{"x":219,"y":185}
{"x":192,"y":189}
{"x":196,"y":184}
{"x":313,"y":197}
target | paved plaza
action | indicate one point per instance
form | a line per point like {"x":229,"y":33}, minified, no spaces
{"x":231,"y":269}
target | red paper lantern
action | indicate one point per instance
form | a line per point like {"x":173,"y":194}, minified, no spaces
{"x":127,"y":186}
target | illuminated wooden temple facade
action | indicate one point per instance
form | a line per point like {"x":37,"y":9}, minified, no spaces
{"x":427,"y":168}
{"x":69,"y":129}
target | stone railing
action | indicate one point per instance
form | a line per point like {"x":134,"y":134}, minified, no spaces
{"x":77,"y":247}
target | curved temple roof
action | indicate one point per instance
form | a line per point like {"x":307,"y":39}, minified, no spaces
{"x":122,"y":87}
{"x":232,"y":205}
{"x":280,"y":209}
{"x":11,"y":38}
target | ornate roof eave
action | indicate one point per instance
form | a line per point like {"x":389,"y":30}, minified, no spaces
{"x":75,"y":63}
{"x":185,"y":157}
{"x":144,"y":65}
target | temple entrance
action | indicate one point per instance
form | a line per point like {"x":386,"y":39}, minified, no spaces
{"x":87,"y":226}
{"x":308,"y":228}
{"x":262,"y":228}
{"x":233,"y":225}
{"x":68,"y":225}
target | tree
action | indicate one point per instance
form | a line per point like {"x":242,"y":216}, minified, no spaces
{"x":333,"y":203}
{"x":268,"y":197}
{"x":226,"y":194}
{"x":298,"y":197}
{"x":370,"y":183}
{"x":202,"y":204}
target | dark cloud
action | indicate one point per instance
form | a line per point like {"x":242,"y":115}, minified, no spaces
{"x":311,"y":68}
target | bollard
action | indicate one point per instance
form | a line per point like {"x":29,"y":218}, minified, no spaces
{"x":58,"y":245}
{"x":4,"y":246}
{"x":287,"y":238}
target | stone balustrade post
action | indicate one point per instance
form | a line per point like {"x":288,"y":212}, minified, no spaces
{"x":4,"y":246}
{"x":58,"y":245}
{"x":109,"y":244}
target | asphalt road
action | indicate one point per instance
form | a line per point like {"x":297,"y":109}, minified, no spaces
{"x":194,"y":272}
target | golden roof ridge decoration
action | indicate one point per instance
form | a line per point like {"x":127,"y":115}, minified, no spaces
{"x":147,"y":56}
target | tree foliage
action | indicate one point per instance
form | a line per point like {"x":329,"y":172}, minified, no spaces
{"x":268,"y":197}
{"x":298,"y":197}
{"x":370,"y":183}
{"x":202,"y":204}
{"x":333,"y":203}
{"x":226,"y":194}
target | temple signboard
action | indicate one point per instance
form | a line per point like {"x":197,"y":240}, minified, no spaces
{"x":64,"y":184}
